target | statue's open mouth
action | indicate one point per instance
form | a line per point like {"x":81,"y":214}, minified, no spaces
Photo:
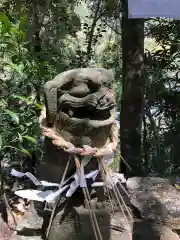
{"x":74,"y":122}
{"x":85,"y":108}
{"x":86,"y":113}
{"x":92,"y":111}
{"x":95,"y":106}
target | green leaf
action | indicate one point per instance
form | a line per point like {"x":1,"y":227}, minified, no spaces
{"x":25,"y":151}
{"x":21,"y":127}
{"x":21,"y":149}
{"x":5,"y":20}
{"x":14,"y":30}
{"x":16,"y":68}
{"x":0,"y":142}
{"x":31,"y":139}
{"x":39,"y":106}
{"x":11,"y":147}
{"x":22,"y":98}
{"x":3,"y":103}
{"x":28,"y":124}
{"x":13,"y":115}
{"x":20,"y":137}
{"x":23,"y":21}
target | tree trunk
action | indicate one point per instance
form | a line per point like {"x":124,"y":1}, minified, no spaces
{"x":132,"y":93}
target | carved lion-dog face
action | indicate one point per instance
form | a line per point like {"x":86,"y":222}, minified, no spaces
{"x":80,"y":102}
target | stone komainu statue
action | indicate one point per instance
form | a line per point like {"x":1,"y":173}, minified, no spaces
{"x":80,"y":106}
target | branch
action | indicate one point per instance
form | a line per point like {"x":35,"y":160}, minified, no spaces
{"x":95,"y":19}
{"x":111,"y":27}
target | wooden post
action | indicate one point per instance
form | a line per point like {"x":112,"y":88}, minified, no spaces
{"x":132,"y":92}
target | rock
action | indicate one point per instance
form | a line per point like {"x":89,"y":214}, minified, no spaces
{"x":6,"y":222}
{"x":156,"y":199}
{"x":5,"y":231}
{"x":29,"y":229}
{"x":150,"y":231}
{"x":139,"y":230}
{"x":168,"y":234}
{"x":76,"y":224}
{"x":29,"y":226}
{"x":120,"y":229}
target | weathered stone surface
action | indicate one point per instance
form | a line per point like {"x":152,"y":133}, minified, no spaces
{"x":80,"y":104}
{"x":29,"y":229}
{"x":77,"y":225}
{"x":29,"y":226}
{"x":5,"y":231}
{"x":54,"y":163}
{"x":6,"y":222}
{"x":156,"y":198}
{"x":120,"y":229}
{"x":150,"y":231}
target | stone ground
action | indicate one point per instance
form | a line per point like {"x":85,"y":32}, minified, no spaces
{"x":28,"y":227}
{"x":29,"y":224}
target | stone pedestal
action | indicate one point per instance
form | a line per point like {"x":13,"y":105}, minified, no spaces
{"x":76,"y":224}
{"x":73,"y":221}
